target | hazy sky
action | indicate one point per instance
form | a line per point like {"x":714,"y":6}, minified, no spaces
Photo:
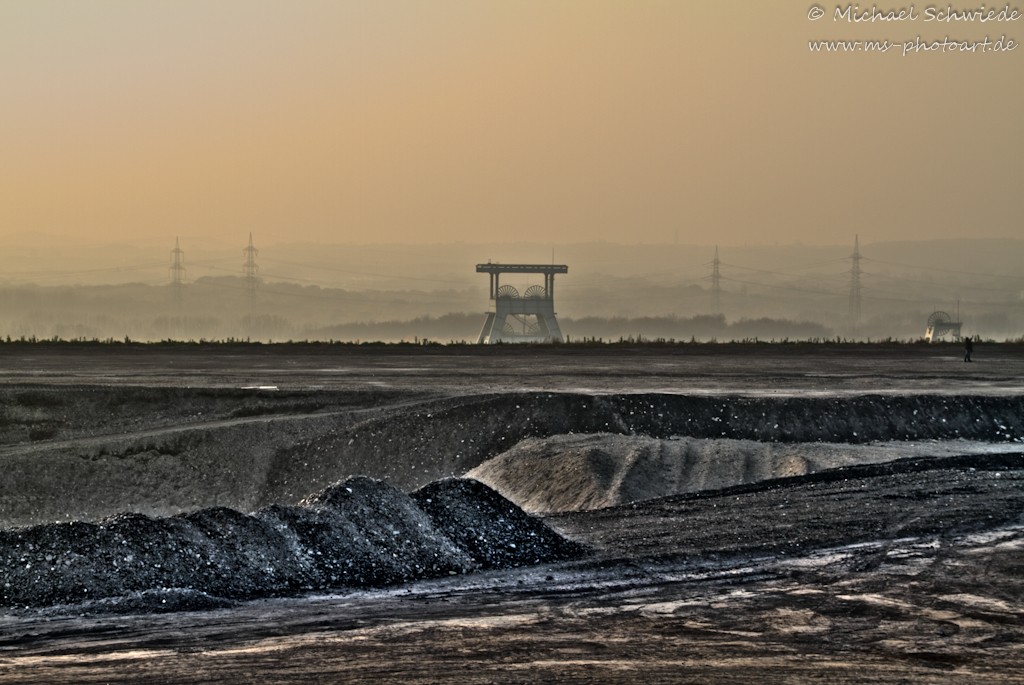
{"x":483,"y":120}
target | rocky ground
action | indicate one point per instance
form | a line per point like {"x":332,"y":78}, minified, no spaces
{"x":909,"y":574}
{"x":871,"y":535}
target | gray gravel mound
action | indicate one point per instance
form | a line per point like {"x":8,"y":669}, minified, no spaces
{"x":582,"y":472}
{"x":233,"y":455}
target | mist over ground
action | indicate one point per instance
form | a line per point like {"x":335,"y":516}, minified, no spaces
{"x":431,"y":292}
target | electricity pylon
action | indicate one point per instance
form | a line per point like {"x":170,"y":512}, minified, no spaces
{"x":854,"y":313}
{"x":250,"y":269}
{"x":177,"y":270}
{"x":716,"y":284}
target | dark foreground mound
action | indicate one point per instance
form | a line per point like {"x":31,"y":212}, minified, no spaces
{"x":495,"y":532}
{"x":357,"y":533}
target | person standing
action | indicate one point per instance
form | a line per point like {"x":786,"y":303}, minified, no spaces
{"x":968,"y":349}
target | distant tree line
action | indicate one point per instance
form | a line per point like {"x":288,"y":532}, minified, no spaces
{"x":220,"y":308}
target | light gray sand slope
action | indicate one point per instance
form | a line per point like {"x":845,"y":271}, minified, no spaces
{"x":592,"y":471}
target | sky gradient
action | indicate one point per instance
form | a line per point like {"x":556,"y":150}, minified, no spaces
{"x":546,"y":121}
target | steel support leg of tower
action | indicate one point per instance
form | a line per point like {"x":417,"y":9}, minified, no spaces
{"x":487,"y":330}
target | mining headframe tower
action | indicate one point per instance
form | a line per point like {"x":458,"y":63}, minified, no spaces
{"x":515,"y":318}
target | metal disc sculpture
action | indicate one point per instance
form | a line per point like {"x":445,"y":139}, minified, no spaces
{"x":938,"y":318}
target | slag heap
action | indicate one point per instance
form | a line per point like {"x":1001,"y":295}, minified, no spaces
{"x":359,"y":533}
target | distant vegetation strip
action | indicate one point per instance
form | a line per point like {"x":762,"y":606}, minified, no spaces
{"x":425,"y":343}
{"x":463,"y":328}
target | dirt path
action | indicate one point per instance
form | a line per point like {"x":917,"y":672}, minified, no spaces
{"x":779,"y":370}
{"x":128,"y":435}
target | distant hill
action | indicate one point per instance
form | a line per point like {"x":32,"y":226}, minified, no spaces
{"x":611,"y":290}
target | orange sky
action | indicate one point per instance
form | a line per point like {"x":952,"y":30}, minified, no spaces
{"x":521,"y":120}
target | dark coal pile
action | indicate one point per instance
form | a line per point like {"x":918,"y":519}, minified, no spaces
{"x":385,"y":538}
{"x":356,"y":533}
{"x":495,"y":532}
